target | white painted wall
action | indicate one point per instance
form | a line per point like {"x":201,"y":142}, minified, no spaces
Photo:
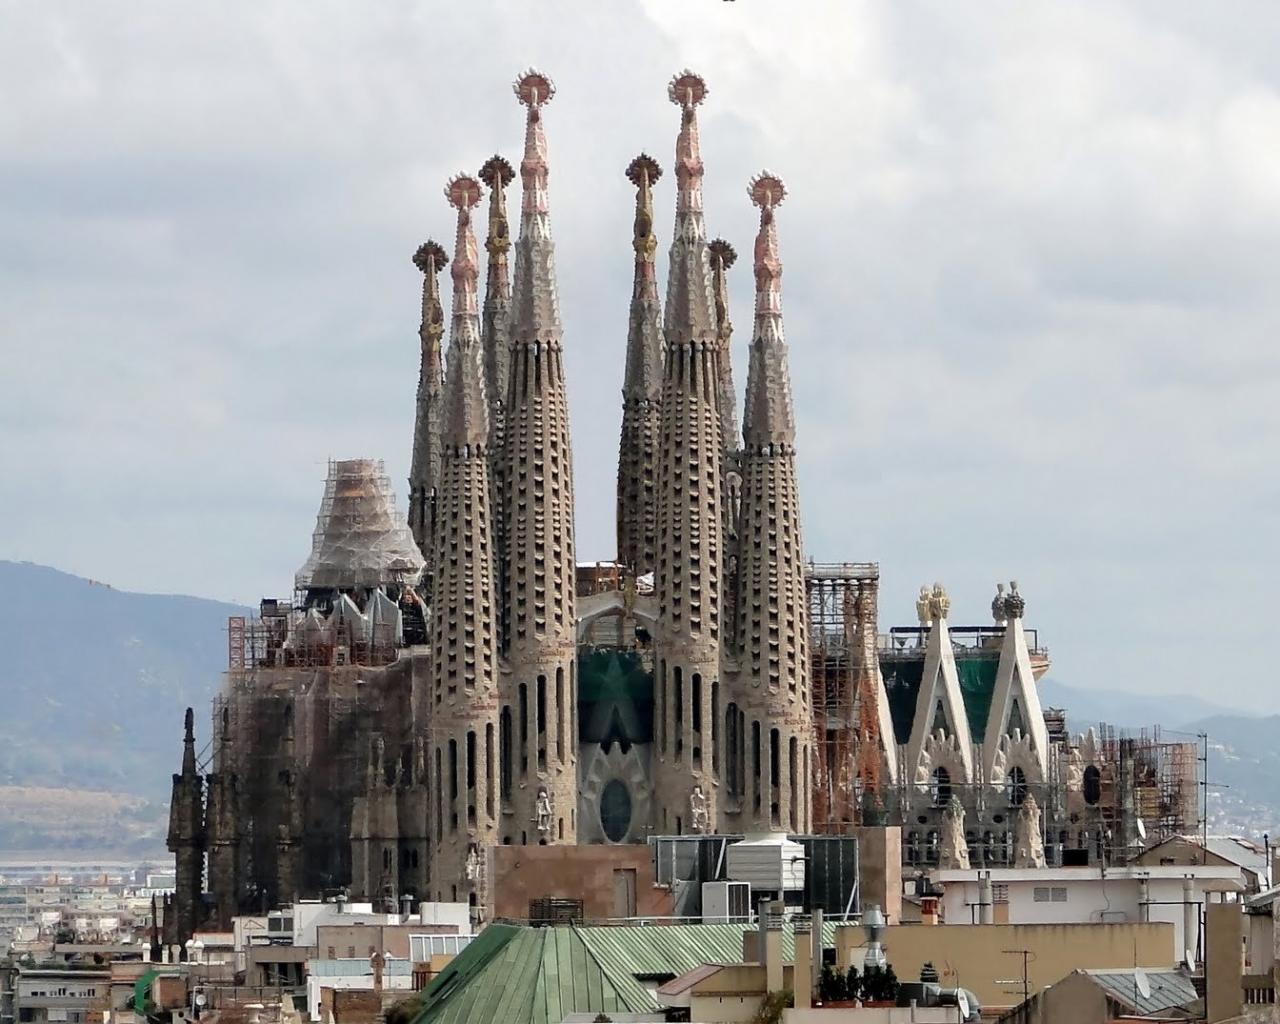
{"x":1092,"y":896}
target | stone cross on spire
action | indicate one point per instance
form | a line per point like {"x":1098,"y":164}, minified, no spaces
{"x":424,"y":470}
{"x":767,"y":412}
{"x":642,"y":384}
{"x":466,"y":411}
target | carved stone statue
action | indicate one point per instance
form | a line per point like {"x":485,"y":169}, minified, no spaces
{"x":924,"y":607}
{"x":939,"y":602}
{"x":998,"y":614}
{"x":1028,"y":843}
{"x":953,"y":850}
{"x":698,"y":821}
{"x":472,"y":867}
{"x":543,"y":811}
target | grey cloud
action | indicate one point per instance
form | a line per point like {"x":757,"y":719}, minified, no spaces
{"x":1027,"y":281}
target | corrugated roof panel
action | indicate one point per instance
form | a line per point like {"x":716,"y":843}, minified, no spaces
{"x":538,"y":975}
{"x":1168,"y":989}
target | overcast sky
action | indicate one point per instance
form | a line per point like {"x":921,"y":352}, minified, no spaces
{"x":1029,"y":252}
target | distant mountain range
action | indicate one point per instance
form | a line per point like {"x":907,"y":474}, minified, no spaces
{"x":96,"y":679}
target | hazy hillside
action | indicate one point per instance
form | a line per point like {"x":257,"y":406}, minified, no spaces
{"x":95,"y":680}
{"x":1087,"y":707}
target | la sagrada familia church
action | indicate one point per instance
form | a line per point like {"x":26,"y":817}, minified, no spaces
{"x":454,"y":680}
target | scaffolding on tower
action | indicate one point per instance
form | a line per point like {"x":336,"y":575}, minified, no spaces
{"x":843,"y":601}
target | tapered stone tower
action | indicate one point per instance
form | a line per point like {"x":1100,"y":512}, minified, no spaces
{"x":723,"y":256}
{"x":642,"y":385}
{"x":688,"y":517}
{"x":463,"y":740}
{"x":539,"y":682}
{"x":424,"y":469}
{"x":186,"y":837}
{"x":495,"y":335}
{"x":773,"y":685}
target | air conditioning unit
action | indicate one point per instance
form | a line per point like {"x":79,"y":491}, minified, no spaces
{"x":726,"y":902}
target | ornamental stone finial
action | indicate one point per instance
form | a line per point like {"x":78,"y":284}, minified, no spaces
{"x":642,"y":172}
{"x":998,"y":614}
{"x":430,"y":257}
{"x":939,"y":602}
{"x":687,"y":90}
{"x":924,"y":606}
{"x":1014,"y":604}
{"x":497,"y":174}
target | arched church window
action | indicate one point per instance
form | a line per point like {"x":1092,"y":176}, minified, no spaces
{"x":1017,"y":786}
{"x":941,"y":787}
{"x":1092,"y":785}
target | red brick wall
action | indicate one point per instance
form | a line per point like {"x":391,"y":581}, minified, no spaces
{"x":522,"y":873}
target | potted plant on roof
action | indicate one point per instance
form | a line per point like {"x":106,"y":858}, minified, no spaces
{"x":880,"y":986}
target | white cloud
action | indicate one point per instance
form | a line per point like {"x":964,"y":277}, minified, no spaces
{"x":1028,"y":262}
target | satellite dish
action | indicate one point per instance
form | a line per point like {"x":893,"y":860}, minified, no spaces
{"x":1191,"y":959}
{"x":1140,"y":983}
{"x":1142,"y":830}
{"x":962,"y":1001}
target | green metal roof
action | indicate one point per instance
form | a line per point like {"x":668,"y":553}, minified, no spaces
{"x":538,"y":975}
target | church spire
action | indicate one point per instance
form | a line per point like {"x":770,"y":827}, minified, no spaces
{"x":767,"y":413}
{"x":497,"y":175}
{"x":690,"y":310}
{"x":464,"y":718}
{"x":430,"y":258}
{"x":642,"y":384}
{"x":466,"y":411}
{"x":723,"y":256}
{"x":688,"y":575}
{"x":539,"y":632}
{"x":771,"y":605}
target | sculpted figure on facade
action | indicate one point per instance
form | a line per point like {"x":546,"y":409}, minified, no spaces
{"x":698,"y":810}
{"x":1028,"y":840}
{"x":953,"y":850}
{"x":543,"y":811}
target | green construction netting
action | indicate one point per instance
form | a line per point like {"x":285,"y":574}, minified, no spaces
{"x":977,"y":676}
{"x":615,"y":697}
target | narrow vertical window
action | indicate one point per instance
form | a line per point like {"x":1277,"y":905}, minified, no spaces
{"x":715,"y":726}
{"x":488,"y":770}
{"x":542,"y":723}
{"x":561,"y":710}
{"x":504,"y":749}
{"x":524,"y":730}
